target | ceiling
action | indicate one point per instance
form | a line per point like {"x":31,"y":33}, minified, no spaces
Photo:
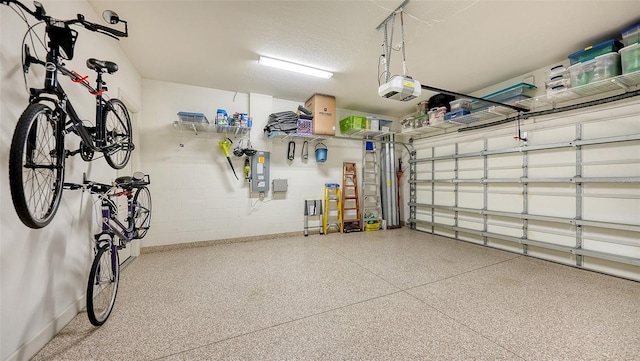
{"x":461,"y":46}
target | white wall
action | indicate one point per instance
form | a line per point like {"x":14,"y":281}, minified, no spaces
{"x":43,"y":273}
{"x":196,"y":197}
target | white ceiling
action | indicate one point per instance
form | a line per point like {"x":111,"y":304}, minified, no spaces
{"x":461,"y":45}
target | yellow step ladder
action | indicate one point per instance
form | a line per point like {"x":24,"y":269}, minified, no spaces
{"x":332,"y":215}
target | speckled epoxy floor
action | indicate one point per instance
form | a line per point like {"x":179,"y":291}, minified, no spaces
{"x":386,"y":295}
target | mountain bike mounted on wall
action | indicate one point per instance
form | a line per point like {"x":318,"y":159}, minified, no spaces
{"x":104,"y":276}
{"x":37,"y":155}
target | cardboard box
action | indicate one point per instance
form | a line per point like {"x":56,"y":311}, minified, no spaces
{"x":323,"y":109}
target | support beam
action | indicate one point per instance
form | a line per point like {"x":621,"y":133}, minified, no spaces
{"x":404,"y":3}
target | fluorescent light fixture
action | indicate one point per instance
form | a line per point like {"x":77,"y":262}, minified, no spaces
{"x":302,"y":69}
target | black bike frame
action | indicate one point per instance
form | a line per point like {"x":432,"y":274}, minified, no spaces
{"x":64,"y":106}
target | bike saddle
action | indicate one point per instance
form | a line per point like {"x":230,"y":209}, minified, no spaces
{"x":101,"y":65}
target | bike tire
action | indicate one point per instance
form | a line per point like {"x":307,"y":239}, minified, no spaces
{"x":102,"y":287}
{"x":118,"y":136}
{"x":142,"y":211}
{"x":36,"y":166}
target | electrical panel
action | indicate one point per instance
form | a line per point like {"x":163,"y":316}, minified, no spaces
{"x":260,"y":172}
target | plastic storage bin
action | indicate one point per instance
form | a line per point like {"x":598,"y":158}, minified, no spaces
{"x":373,"y":124}
{"x":557,"y":86}
{"x":508,"y":95}
{"x":436,"y":116}
{"x":385,"y":125}
{"x":556,"y":73}
{"x":591,"y":52}
{"x":631,"y":35}
{"x":630,"y":58}
{"x":459,"y":104}
{"x":607,"y":66}
{"x":582,"y":73}
{"x":305,"y":126}
{"x":423,"y":107}
{"x":456,"y":114}
{"x":352,"y":124}
{"x":602,"y":67}
{"x":193,"y":117}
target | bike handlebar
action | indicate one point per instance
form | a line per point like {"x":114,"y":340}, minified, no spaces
{"x":126,"y":183}
{"x":40,"y":14}
{"x":97,"y":27}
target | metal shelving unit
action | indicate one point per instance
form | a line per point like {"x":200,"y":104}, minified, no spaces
{"x":200,"y":127}
{"x":366,"y":133}
{"x":297,"y":136}
{"x":622,"y":83}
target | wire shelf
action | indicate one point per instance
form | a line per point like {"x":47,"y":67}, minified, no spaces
{"x":200,"y":127}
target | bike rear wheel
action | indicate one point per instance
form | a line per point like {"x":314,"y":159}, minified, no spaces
{"x":36,"y":166}
{"x":142,"y":211}
{"x":103,"y":284}
{"x":117,"y":134}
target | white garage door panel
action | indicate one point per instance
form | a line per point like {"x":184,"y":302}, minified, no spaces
{"x":446,"y":165}
{"x":615,"y":268}
{"x":473,"y":238}
{"x":551,"y":135}
{"x":564,"y":207}
{"x":501,"y":142}
{"x":615,"y":236}
{"x":471,"y":163}
{"x":443,"y":220}
{"x":610,"y":152}
{"x":445,"y":199}
{"x":470,"y":200}
{"x":609,"y":194}
{"x":504,"y":202}
{"x":626,"y":169}
{"x":615,"y":210}
{"x":610,"y":160}
{"x":511,"y":160}
{"x":475,"y":174}
{"x":514,"y":173}
{"x":552,"y":163}
{"x":552,"y":255}
{"x":423,"y":168}
{"x":553,"y":233}
{"x":424,"y":195}
{"x":444,"y":150}
{"x":505,"y":245}
{"x":424,"y":214}
{"x":622,"y":122}
{"x":471,"y":146}
{"x":471,"y":222}
{"x":616,"y":249}
{"x":612,"y":190}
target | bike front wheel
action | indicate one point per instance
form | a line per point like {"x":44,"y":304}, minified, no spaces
{"x":142,"y":211}
{"x":36,"y":166}
{"x":103,"y":284}
{"x":118,"y":136}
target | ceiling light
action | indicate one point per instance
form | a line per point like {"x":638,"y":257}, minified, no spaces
{"x":294,"y":67}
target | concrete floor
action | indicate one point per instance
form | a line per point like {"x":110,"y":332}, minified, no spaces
{"x":386,"y":295}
